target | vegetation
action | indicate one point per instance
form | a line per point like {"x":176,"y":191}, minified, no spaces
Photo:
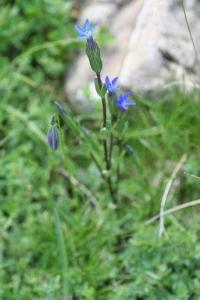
{"x":61,"y":235}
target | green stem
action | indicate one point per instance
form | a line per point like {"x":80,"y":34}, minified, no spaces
{"x":103,"y":102}
{"x":110,"y":151}
{"x":107,"y":153}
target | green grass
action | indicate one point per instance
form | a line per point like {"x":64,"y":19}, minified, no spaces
{"x":55,"y":244}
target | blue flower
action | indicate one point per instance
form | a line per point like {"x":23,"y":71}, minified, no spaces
{"x":111,"y":85}
{"x":86,"y":31}
{"x":53,"y":138}
{"x":123,"y":103}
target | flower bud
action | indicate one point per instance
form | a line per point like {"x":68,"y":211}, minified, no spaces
{"x":53,"y":138}
{"x":94,"y":55}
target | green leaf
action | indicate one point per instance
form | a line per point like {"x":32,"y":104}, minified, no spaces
{"x":101,"y":91}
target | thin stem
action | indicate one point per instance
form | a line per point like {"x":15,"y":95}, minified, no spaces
{"x":110,"y":151}
{"x":106,"y":156}
{"x":112,"y":190}
{"x":190,"y":33}
{"x":174,"y":209}
{"x":105,"y":145}
{"x":103,"y":102}
{"x":113,"y":121}
{"x":166,"y":193}
{"x":107,"y":153}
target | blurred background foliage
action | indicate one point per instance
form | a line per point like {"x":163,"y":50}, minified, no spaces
{"x":55,"y":244}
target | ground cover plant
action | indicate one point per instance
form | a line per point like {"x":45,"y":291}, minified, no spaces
{"x":62,"y":235}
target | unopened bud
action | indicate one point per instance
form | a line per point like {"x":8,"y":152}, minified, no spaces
{"x":94,"y":55}
{"x":53,"y":138}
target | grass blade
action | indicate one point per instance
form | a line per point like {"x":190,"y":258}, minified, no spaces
{"x":62,"y":255}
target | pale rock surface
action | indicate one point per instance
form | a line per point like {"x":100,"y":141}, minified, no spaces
{"x":152,"y":47}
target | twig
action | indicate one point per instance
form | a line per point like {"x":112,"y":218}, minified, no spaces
{"x":173,"y":210}
{"x":81,"y":187}
{"x":194,"y":176}
{"x":166,"y":193}
{"x":190,"y":33}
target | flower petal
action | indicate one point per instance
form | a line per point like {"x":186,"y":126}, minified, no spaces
{"x":125,"y":96}
{"x":114,"y":81}
{"x":87,"y":25}
{"x":79,"y":29}
{"x":131,"y":103}
{"x":107,"y":82}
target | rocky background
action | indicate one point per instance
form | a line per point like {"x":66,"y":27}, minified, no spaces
{"x":152,"y":47}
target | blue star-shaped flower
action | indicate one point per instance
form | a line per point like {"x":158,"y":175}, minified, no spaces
{"x":123,"y":103}
{"x":111,"y":85}
{"x":86,"y":31}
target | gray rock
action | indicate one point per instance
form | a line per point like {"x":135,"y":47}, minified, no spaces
{"x":160,"y":49}
{"x":99,"y":12}
{"x":152,"y":47}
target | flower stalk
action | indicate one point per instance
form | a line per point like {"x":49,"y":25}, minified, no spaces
{"x":107,"y":152}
